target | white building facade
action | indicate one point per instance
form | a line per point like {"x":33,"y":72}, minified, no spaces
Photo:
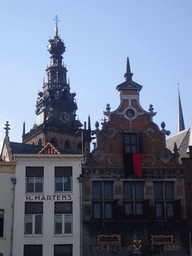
{"x":7,"y":185}
{"x":47,"y":214}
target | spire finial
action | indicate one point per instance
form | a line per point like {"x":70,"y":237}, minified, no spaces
{"x":7,"y":129}
{"x":56,"y":23}
{"x":181,"y":125}
{"x":128,"y":75}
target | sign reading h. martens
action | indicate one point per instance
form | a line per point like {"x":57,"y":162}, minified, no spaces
{"x":49,"y":197}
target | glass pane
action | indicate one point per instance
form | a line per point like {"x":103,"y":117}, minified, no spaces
{"x":38,"y":224}
{"x":158,"y":187}
{"x":63,"y":250}
{"x":97,"y":210}
{"x":33,"y":208}
{"x":169,"y":190}
{"x":108,"y":210}
{"x":128,"y":208}
{"x":159,"y":210}
{"x":133,"y":138}
{"x":68,"y":224}
{"x":108,"y":186}
{"x":127,"y":190}
{"x":67,"y":183}
{"x":133,"y":149}
{"x":139,"y":191}
{"x":58,"y":224}
{"x":58,"y":183}
{"x":28,"y":224}
{"x":97,"y":190}
{"x":39,"y":184}
{"x":128,"y":149}
{"x":127,"y":138}
{"x":139,"y":208}
{"x":63,"y":207}
{"x":30,"y":184}
{"x":170,"y":212}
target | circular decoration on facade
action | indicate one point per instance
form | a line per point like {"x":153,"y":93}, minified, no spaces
{"x":98,"y":154}
{"x":130,"y":113}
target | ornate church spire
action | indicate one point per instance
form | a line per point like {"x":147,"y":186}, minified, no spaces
{"x":181,"y":125}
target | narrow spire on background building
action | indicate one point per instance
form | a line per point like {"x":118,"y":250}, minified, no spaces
{"x":23,"y":128}
{"x":181,"y":125}
{"x":128,"y":75}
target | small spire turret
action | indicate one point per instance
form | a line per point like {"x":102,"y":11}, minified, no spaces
{"x":181,"y":125}
{"x":128,"y":75}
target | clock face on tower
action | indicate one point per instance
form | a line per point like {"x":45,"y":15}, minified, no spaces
{"x":64,"y":118}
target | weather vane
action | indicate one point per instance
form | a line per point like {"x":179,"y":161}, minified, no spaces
{"x":56,"y":21}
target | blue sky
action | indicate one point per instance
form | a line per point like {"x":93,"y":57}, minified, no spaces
{"x":99,"y":36}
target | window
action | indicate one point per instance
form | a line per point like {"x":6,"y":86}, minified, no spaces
{"x":63,"y":218}
{"x":1,"y":223}
{"x":33,"y":218}
{"x":134,"y":204}
{"x":33,"y":249}
{"x":164,"y":200}
{"x":63,"y":177}
{"x":63,"y":250}
{"x":103,"y":203}
{"x":34,"y":176}
{"x":133,"y":142}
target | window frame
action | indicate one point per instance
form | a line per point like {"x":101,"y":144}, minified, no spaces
{"x":138,"y":144}
{"x":34,"y":221}
{"x":133,"y":200}
{"x":63,"y":245}
{"x":64,"y":216}
{"x":40,"y":247}
{"x":165,"y":200}
{"x":68,"y":176}
{"x":105,"y":197}
{"x":34,"y":173}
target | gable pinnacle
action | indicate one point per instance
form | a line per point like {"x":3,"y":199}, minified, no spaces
{"x":128,"y":75}
{"x":7,"y":129}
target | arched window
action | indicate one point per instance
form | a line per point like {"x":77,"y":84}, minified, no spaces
{"x":40,"y":142}
{"x":67,"y":145}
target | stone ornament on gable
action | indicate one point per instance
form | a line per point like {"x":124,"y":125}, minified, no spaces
{"x":165,"y":155}
{"x":98,"y":154}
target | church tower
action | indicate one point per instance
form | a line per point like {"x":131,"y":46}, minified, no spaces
{"x":55,"y":106}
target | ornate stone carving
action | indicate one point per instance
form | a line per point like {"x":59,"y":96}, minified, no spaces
{"x":165,"y":155}
{"x":98,"y":154}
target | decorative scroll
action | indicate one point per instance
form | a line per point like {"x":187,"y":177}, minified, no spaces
{"x":158,"y":240}
{"x":109,"y":240}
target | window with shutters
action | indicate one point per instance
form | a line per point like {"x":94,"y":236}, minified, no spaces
{"x":134,"y":204}
{"x":34,"y":179}
{"x":63,"y":178}
{"x":63,"y":218}
{"x":33,"y":218}
{"x":103,"y":203}
{"x":165,"y":205}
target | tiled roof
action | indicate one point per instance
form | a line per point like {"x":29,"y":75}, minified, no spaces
{"x":21,"y":148}
{"x":182,"y":141}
